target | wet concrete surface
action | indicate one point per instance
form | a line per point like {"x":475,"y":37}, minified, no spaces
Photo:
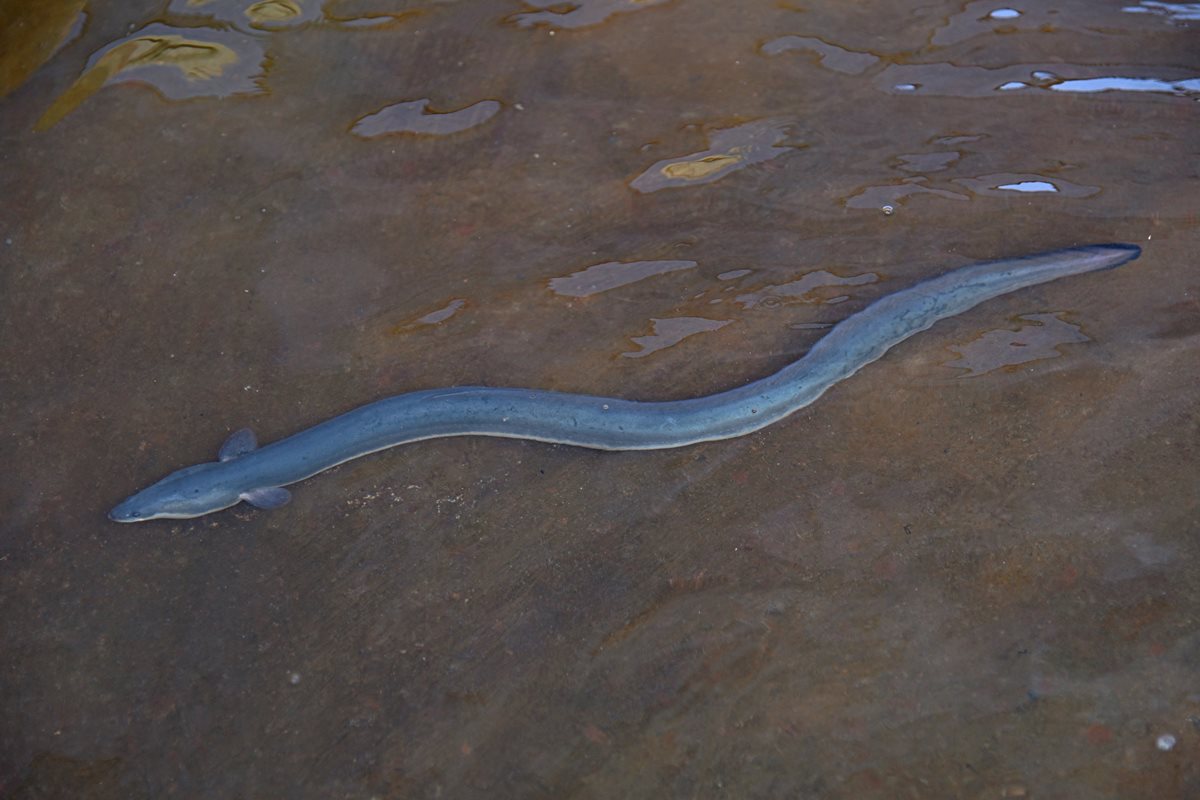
{"x":965,"y":572}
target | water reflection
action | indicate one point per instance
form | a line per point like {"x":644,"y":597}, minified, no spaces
{"x":266,"y":15}
{"x":927,"y":162}
{"x":950,"y":80}
{"x":998,"y":184}
{"x":830,"y":56}
{"x":434,"y":317}
{"x":982,"y":17}
{"x":577,"y":14}
{"x":611,"y":274}
{"x":1041,"y":339}
{"x":177,"y":62}
{"x":672,"y":331}
{"x":225,"y":58}
{"x":730,"y":149}
{"x":1002,"y":183}
{"x":1080,"y":17}
{"x":1090,"y":85}
{"x":372,"y":21}
{"x":733,"y":274}
{"x":804,"y":290}
{"x":415,"y":116}
{"x":1176,"y":12}
{"x":893,"y":194}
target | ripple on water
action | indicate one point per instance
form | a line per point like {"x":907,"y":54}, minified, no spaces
{"x":577,"y":14}
{"x":730,"y":149}
{"x":611,"y":274}
{"x":830,"y":56}
{"x":1007,"y":348}
{"x":177,"y":62}
{"x":414,"y":116}
{"x":671,"y":331}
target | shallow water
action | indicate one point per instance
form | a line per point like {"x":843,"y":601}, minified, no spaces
{"x":969,"y":571}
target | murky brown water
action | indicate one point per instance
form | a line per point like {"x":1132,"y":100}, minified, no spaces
{"x":970,"y":571}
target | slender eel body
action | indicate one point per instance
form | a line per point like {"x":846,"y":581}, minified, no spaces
{"x":246,"y":472}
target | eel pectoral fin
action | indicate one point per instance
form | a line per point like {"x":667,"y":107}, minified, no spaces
{"x":238,"y":444}
{"x":270,"y":497}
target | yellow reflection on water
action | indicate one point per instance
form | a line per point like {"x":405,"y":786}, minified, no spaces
{"x":730,"y":149}
{"x":274,"y":11}
{"x":701,"y":167}
{"x":178,"y":62}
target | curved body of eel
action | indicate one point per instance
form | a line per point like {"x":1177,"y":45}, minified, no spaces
{"x":256,"y":475}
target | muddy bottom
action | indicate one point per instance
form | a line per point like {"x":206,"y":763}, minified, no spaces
{"x":968,"y":571}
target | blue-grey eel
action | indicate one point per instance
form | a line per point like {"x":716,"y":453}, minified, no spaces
{"x":255,"y":474}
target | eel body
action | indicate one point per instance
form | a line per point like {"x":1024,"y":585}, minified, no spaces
{"x":256,"y":474}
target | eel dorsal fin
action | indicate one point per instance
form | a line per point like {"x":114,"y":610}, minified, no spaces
{"x":238,"y":444}
{"x":270,"y":497}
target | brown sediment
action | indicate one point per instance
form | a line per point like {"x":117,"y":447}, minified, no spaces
{"x":30,"y":33}
{"x":921,"y":586}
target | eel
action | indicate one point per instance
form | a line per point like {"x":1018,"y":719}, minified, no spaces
{"x":257,"y":475}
